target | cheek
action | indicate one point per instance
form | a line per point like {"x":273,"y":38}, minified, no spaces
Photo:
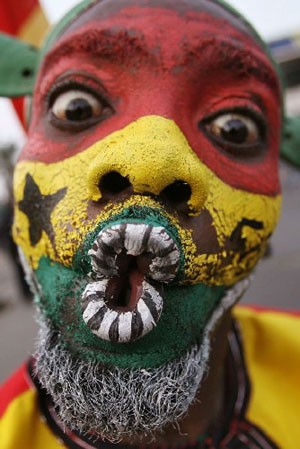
{"x":230,"y":235}
{"x":58,"y":218}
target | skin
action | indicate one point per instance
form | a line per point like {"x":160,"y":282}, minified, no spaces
{"x":169,"y":93}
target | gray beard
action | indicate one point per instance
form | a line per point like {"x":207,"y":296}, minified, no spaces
{"x":112,"y":403}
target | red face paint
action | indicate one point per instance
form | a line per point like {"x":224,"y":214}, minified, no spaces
{"x":185,"y":67}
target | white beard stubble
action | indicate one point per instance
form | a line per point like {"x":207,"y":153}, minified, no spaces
{"x":113,"y":403}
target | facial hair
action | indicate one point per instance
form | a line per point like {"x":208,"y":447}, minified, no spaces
{"x":113,"y":403}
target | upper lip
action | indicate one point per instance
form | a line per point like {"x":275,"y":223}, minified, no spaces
{"x":149,"y":249}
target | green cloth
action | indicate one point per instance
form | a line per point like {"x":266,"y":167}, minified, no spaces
{"x":290,"y":149}
{"x":18,"y":67}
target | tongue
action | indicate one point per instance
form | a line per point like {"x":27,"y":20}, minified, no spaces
{"x":135,"y":280}
{"x":124,"y":292}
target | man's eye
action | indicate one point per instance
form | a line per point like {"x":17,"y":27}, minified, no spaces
{"x":77,"y":106}
{"x":236,"y":132}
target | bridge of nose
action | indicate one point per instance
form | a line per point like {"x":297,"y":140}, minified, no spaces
{"x":151,"y":153}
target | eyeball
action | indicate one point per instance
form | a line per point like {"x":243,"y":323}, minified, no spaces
{"x":77,"y":106}
{"x":234,"y":128}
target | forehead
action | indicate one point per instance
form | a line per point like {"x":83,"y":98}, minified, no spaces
{"x":163,"y":20}
{"x":163,"y":31}
{"x":186,"y":9}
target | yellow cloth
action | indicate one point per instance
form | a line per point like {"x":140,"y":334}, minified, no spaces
{"x":271,"y":343}
{"x":23,"y":427}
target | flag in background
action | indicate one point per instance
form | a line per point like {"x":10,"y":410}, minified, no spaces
{"x":26,"y":20}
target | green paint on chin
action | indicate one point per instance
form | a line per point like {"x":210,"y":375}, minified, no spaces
{"x":185,"y":314}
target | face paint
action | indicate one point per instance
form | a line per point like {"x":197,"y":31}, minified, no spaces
{"x":149,"y":183}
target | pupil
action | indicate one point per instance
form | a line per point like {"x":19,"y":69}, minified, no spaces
{"x":234,"y":131}
{"x":79,"y":109}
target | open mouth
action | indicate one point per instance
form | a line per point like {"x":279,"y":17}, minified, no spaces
{"x":130,"y":264}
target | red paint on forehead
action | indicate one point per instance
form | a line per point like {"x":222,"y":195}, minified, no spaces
{"x":157,"y":62}
{"x":105,"y":9}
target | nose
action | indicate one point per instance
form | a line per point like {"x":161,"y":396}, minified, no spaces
{"x":150,"y":155}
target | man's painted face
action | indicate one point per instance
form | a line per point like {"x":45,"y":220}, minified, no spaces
{"x":149,"y":183}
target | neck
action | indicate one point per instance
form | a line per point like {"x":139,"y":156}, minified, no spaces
{"x":205,"y":412}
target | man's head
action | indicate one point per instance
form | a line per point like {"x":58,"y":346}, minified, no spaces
{"x":145,"y":196}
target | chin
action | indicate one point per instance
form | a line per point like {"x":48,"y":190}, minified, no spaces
{"x":114,"y":403}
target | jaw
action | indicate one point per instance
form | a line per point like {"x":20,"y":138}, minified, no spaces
{"x":81,"y":390}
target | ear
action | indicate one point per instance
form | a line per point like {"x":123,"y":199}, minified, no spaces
{"x":290,"y":147}
{"x":18,"y":67}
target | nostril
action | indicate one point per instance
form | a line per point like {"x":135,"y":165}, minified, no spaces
{"x":113,"y":182}
{"x":177,"y":193}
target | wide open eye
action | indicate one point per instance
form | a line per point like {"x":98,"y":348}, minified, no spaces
{"x":236,"y":132}
{"x":77,"y":106}
{"x":74,"y":108}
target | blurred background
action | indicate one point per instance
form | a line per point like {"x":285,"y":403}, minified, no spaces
{"x":275,"y":282}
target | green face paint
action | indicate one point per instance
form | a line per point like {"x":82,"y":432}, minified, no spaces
{"x":185,"y":314}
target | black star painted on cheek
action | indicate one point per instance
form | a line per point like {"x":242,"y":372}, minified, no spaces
{"x":38,"y":209}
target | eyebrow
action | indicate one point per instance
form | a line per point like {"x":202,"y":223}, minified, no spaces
{"x":230,"y":57}
{"x":119,"y":46}
{"x":122,"y":46}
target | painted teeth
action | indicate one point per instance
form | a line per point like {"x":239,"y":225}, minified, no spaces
{"x":133,"y":239}
{"x":116,"y":326}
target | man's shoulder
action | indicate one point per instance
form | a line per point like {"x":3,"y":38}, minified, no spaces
{"x":271,"y":345}
{"x":14,"y":387}
{"x":21,"y":423}
{"x":276,"y":331}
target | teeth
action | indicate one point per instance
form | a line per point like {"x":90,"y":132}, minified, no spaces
{"x":117,"y":326}
{"x":132,"y":239}
{"x":137,"y":245}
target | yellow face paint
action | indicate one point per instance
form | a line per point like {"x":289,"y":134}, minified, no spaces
{"x":152,"y":153}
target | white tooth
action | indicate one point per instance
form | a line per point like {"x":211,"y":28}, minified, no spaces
{"x":125,"y":320}
{"x":92,"y":309}
{"x":167,"y":261}
{"x":108,"y":319}
{"x":133,"y":241}
{"x":155,"y":296}
{"x":159,"y":241}
{"x":113,"y":237}
{"x":158,"y":263}
{"x":158,"y":276}
{"x":96,"y":287}
{"x":147,"y":318}
{"x":109,"y":261}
